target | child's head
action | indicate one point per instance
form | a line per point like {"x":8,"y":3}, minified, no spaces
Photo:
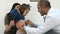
{"x":20,"y":24}
{"x":25,"y":9}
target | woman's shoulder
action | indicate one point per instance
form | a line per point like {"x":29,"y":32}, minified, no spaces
{"x":8,"y":13}
{"x":9,"y":16}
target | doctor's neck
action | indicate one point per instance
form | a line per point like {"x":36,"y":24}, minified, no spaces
{"x":47,"y":10}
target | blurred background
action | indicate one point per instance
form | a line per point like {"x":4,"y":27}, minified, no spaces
{"x":33,"y":15}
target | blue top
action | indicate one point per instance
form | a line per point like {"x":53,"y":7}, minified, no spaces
{"x":16,"y":16}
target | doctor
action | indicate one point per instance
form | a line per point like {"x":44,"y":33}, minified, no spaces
{"x":52,"y":20}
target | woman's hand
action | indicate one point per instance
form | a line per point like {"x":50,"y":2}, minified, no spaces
{"x":11,"y":23}
{"x":8,"y":27}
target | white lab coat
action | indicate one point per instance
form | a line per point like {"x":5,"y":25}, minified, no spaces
{"x":52,"y":21}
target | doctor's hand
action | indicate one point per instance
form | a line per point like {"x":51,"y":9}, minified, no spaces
{"x":28,"y":22}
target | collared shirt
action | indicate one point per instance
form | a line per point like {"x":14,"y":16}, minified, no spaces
{"x":44,"y":17}
{"x":52,"y":21}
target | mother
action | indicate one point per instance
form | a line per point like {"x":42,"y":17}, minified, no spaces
{"x":10,"y":27}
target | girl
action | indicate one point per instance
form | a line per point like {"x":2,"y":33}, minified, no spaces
{"x":20,"y":17}
{"x":24,"y":11}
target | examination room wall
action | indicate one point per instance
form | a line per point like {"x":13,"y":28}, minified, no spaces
{"x":33,"y":15}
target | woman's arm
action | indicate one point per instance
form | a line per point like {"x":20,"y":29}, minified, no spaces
{"x":8,"y":27}
{"x":8,"y":24}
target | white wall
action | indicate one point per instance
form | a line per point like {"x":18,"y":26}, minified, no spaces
{"x":33,"y":15}
{"x":55,"y":3}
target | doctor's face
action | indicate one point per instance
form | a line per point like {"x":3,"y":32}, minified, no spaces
{"x":40,"y":9}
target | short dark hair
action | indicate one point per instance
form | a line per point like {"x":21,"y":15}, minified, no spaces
{"x":45,"y":3}
{"x":24,"y":7}
{"x":14,"y":5}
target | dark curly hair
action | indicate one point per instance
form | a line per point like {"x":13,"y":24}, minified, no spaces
{"x":14,"y":5}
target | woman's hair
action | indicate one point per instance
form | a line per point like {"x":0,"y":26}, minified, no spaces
{"x":14,"y":5}
{"x":8,"y":18}
{"x":24,"y":7}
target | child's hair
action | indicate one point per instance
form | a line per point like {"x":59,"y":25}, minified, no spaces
{"x":24,"y":7}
